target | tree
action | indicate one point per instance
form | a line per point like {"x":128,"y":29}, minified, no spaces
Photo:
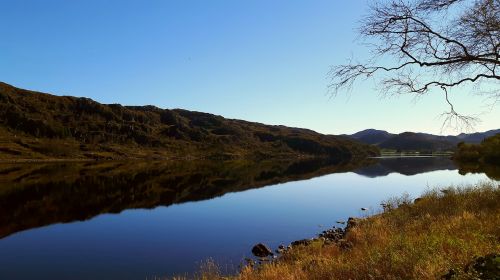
{"x":434,"y":45}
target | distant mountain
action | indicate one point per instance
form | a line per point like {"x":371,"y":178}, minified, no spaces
{"x":372,"y":136}
{"x":36,"y":125}
{"x":476,"y":138}
{"x":411,"y":141}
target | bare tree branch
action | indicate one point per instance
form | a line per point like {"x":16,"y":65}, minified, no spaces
{"x":463,"y":50}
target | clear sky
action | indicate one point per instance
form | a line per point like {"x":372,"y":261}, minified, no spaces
{"x":258,"y":60}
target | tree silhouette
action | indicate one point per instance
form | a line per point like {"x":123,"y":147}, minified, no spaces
{"x":437,"y":44}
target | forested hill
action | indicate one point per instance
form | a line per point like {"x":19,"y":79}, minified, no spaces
{"x":36,"y":125}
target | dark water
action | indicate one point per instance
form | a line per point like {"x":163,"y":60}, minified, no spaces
{"x":138,"y":220}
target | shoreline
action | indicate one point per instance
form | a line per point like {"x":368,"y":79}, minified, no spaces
{"x":185,"y":158}
{"x":447,"y":233}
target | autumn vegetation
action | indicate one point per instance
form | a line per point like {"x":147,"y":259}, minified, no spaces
{"x":488,"y":151}
{"x":480,"y":158}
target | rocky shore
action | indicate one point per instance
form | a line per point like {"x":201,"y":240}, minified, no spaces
{"x":448,"y":233}
{"x":333,"y":236}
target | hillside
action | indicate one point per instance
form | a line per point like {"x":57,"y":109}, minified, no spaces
{"x":408,"y":141}
{"x":36,"y":125}
{"x":423,"y":142}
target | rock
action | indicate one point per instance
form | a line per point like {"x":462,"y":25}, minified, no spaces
{"x":333,"y":234}
{"x":303,"y":242}
{"x":261,"y":250}
{"x":487,"y":267}
{"x":281,"y":249}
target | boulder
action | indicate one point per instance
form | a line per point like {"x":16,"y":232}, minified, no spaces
{"x":260,"y":250}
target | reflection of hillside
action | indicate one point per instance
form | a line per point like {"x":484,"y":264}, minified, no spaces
{"x":406,"y":166}
{"x":36,"y":195}
{"x":492,"y":171}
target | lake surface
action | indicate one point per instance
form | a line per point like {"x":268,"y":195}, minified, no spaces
{"x":138,"y":220}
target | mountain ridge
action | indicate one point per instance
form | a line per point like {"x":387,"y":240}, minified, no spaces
{"x":35,"y":125}
{"x":418,"y":141}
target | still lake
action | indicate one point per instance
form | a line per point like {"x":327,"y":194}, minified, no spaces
{"x":138,"y":220}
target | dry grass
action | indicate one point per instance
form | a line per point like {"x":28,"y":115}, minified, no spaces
{"x":421,"y":240}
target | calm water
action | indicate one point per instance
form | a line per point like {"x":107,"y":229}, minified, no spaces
{"x":140,"y":220}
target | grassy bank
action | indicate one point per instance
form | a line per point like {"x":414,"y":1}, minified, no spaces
{"x":442,"y":231}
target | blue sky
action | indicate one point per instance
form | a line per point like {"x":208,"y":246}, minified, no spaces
{"x":258,"y":60}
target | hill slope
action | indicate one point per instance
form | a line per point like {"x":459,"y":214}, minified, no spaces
{"x":38,"y":125}
{"x":415,"y":141}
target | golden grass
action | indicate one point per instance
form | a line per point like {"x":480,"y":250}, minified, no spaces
{"x":421,"y":240}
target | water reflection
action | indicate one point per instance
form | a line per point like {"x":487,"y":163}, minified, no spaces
{"x":37,"y":195}
{"x":406,"y":166}
{"x":492,"y":171}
